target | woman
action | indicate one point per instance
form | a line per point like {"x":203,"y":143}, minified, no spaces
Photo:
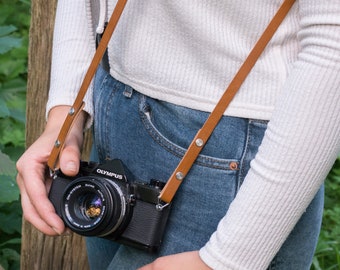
{"x":170,"y":61}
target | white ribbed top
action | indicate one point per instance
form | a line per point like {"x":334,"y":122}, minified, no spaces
{"x":186,"y":52}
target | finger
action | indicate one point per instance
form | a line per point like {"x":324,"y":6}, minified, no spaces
{"x":70,"y":155}
{"x":30,"y":213}
{"x":70,"y":160}
{"x":36,"y":201}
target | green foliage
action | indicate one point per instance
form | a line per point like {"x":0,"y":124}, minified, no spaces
{"x":327,"y":255}
{"x":14,"y":27}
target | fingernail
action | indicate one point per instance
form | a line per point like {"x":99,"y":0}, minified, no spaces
{"x":54,"y":229}
{"x":71,"y":166}
{"x":67,"y":232}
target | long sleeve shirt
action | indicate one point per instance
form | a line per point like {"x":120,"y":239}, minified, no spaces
{"x":186,"y":52}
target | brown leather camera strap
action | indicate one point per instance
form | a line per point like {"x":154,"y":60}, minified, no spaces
{"x":53,"y":161}
{"x":204,"y":133}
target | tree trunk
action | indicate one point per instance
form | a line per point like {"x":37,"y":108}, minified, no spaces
{"x":39,"y":251}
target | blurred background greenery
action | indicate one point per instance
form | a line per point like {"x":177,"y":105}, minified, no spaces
{"x":14,"y":28}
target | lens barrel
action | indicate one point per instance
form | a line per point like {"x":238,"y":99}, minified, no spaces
{"x":94,"y":206}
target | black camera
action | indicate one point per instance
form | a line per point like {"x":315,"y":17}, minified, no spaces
{"x":104,"y":200}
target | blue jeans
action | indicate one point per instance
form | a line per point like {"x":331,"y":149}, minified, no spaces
{"x":150,"y":137}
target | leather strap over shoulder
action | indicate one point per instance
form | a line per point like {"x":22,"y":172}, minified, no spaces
{"x":204,"y":133}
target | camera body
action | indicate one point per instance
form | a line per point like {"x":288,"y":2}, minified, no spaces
{"x":104,"y":201}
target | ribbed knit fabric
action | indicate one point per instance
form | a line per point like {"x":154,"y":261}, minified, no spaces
{"x":186,"y":52}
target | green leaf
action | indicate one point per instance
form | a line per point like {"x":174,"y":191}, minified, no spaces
{"x":14,"y":152}
{"x":13,"y":241}
{"x":7,"y":43}
{"x":12,"y":132}
{"x":10,"y":224}
{"x":13,"y":100}
{"x":7,"y":29}
{"x":8,"y":189}
{"x":4,"y":111}
{"x":11,"y":220}
{"x":11,"y":66}
{"x":7,"y":166}
{"x":9,"y":255}
{"x":316,"y":264}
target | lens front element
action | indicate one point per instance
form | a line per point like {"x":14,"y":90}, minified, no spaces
{"x":90,"y":205}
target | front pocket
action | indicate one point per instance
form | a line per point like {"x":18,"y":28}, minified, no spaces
{"x":163,"y":123}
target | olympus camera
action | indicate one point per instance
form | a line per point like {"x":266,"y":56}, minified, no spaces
{"x":104,"y":201}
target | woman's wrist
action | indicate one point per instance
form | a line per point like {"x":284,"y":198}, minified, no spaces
{"x":57,"y":115}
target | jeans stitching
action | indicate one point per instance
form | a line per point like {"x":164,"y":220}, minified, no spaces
{"x":176,"y":150}
{"x":243,"y":158}
{"x":99,"y":88}
{"x":113,"y":86}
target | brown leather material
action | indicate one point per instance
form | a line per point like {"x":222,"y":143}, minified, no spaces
{"x":78,"y":104}
{"x":53,"y":160}
{"x":204,"y":133}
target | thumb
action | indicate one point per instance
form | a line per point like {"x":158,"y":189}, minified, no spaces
{"x":70,"y":160}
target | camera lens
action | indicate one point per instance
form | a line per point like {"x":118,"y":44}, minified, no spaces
{"x":90,"y":205}
{"x":94,"y":206}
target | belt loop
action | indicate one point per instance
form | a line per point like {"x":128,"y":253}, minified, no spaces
{"x":128,"y":91}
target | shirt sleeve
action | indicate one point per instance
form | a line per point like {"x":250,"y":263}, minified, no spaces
{"x":72,"y":52}
{"x":299,"y":147}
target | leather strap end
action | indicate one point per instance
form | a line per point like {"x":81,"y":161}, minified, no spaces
{"x":170,"y":189}
{"x":53,"y":160}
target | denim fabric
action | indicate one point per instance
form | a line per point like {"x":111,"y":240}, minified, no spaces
{"x":150,"y":137}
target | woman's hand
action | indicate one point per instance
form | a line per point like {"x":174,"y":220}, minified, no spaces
{"x":33,"y":176}
{"x":181,"y":261}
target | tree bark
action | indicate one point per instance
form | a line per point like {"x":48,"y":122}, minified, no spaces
{"x":39,"y":251}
